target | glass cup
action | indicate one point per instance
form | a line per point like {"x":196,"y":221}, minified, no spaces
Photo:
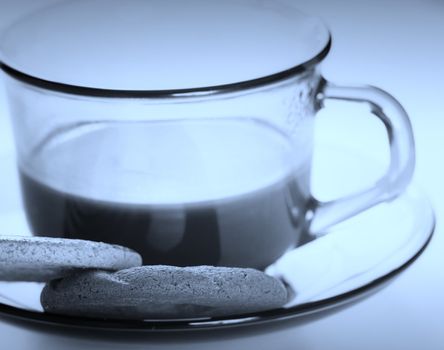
{"x":219,"y":179}
{"x":216,"y":175}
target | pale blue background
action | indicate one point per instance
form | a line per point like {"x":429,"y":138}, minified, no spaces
{"x":396,"y":45}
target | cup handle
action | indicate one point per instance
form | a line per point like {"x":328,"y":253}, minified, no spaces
{"x":402,"y":155}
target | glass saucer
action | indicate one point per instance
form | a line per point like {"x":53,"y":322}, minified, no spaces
{"x":355,"y":258}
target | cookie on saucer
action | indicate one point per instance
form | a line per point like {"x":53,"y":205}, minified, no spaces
{"x":41,"y":259}
{"x":164,"y":292}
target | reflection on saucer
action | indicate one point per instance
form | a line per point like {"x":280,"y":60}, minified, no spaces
{"x":357,"y":251}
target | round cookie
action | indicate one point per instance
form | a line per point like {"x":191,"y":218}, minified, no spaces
{"x":41,"y":259}
{"x":158,"y":292}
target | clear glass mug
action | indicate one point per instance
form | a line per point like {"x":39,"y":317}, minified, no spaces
{"x":216,"y":175}
{"x":220,"y":179}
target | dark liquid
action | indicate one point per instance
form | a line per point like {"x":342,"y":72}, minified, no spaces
{"x":251,"y":229}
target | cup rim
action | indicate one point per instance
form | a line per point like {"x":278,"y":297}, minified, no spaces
{"x":169,"y":93}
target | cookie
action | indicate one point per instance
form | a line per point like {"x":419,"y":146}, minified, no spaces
{"x":159,"y":292}
{"x":41,"y":259}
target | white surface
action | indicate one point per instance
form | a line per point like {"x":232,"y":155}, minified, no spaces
{"x":396,"y":45}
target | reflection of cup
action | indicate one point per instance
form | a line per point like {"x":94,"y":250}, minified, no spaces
{"x":201,"y":175}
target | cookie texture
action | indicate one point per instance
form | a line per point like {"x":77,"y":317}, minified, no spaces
{"x":158,"y":291}
{"x":41,"y":259}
